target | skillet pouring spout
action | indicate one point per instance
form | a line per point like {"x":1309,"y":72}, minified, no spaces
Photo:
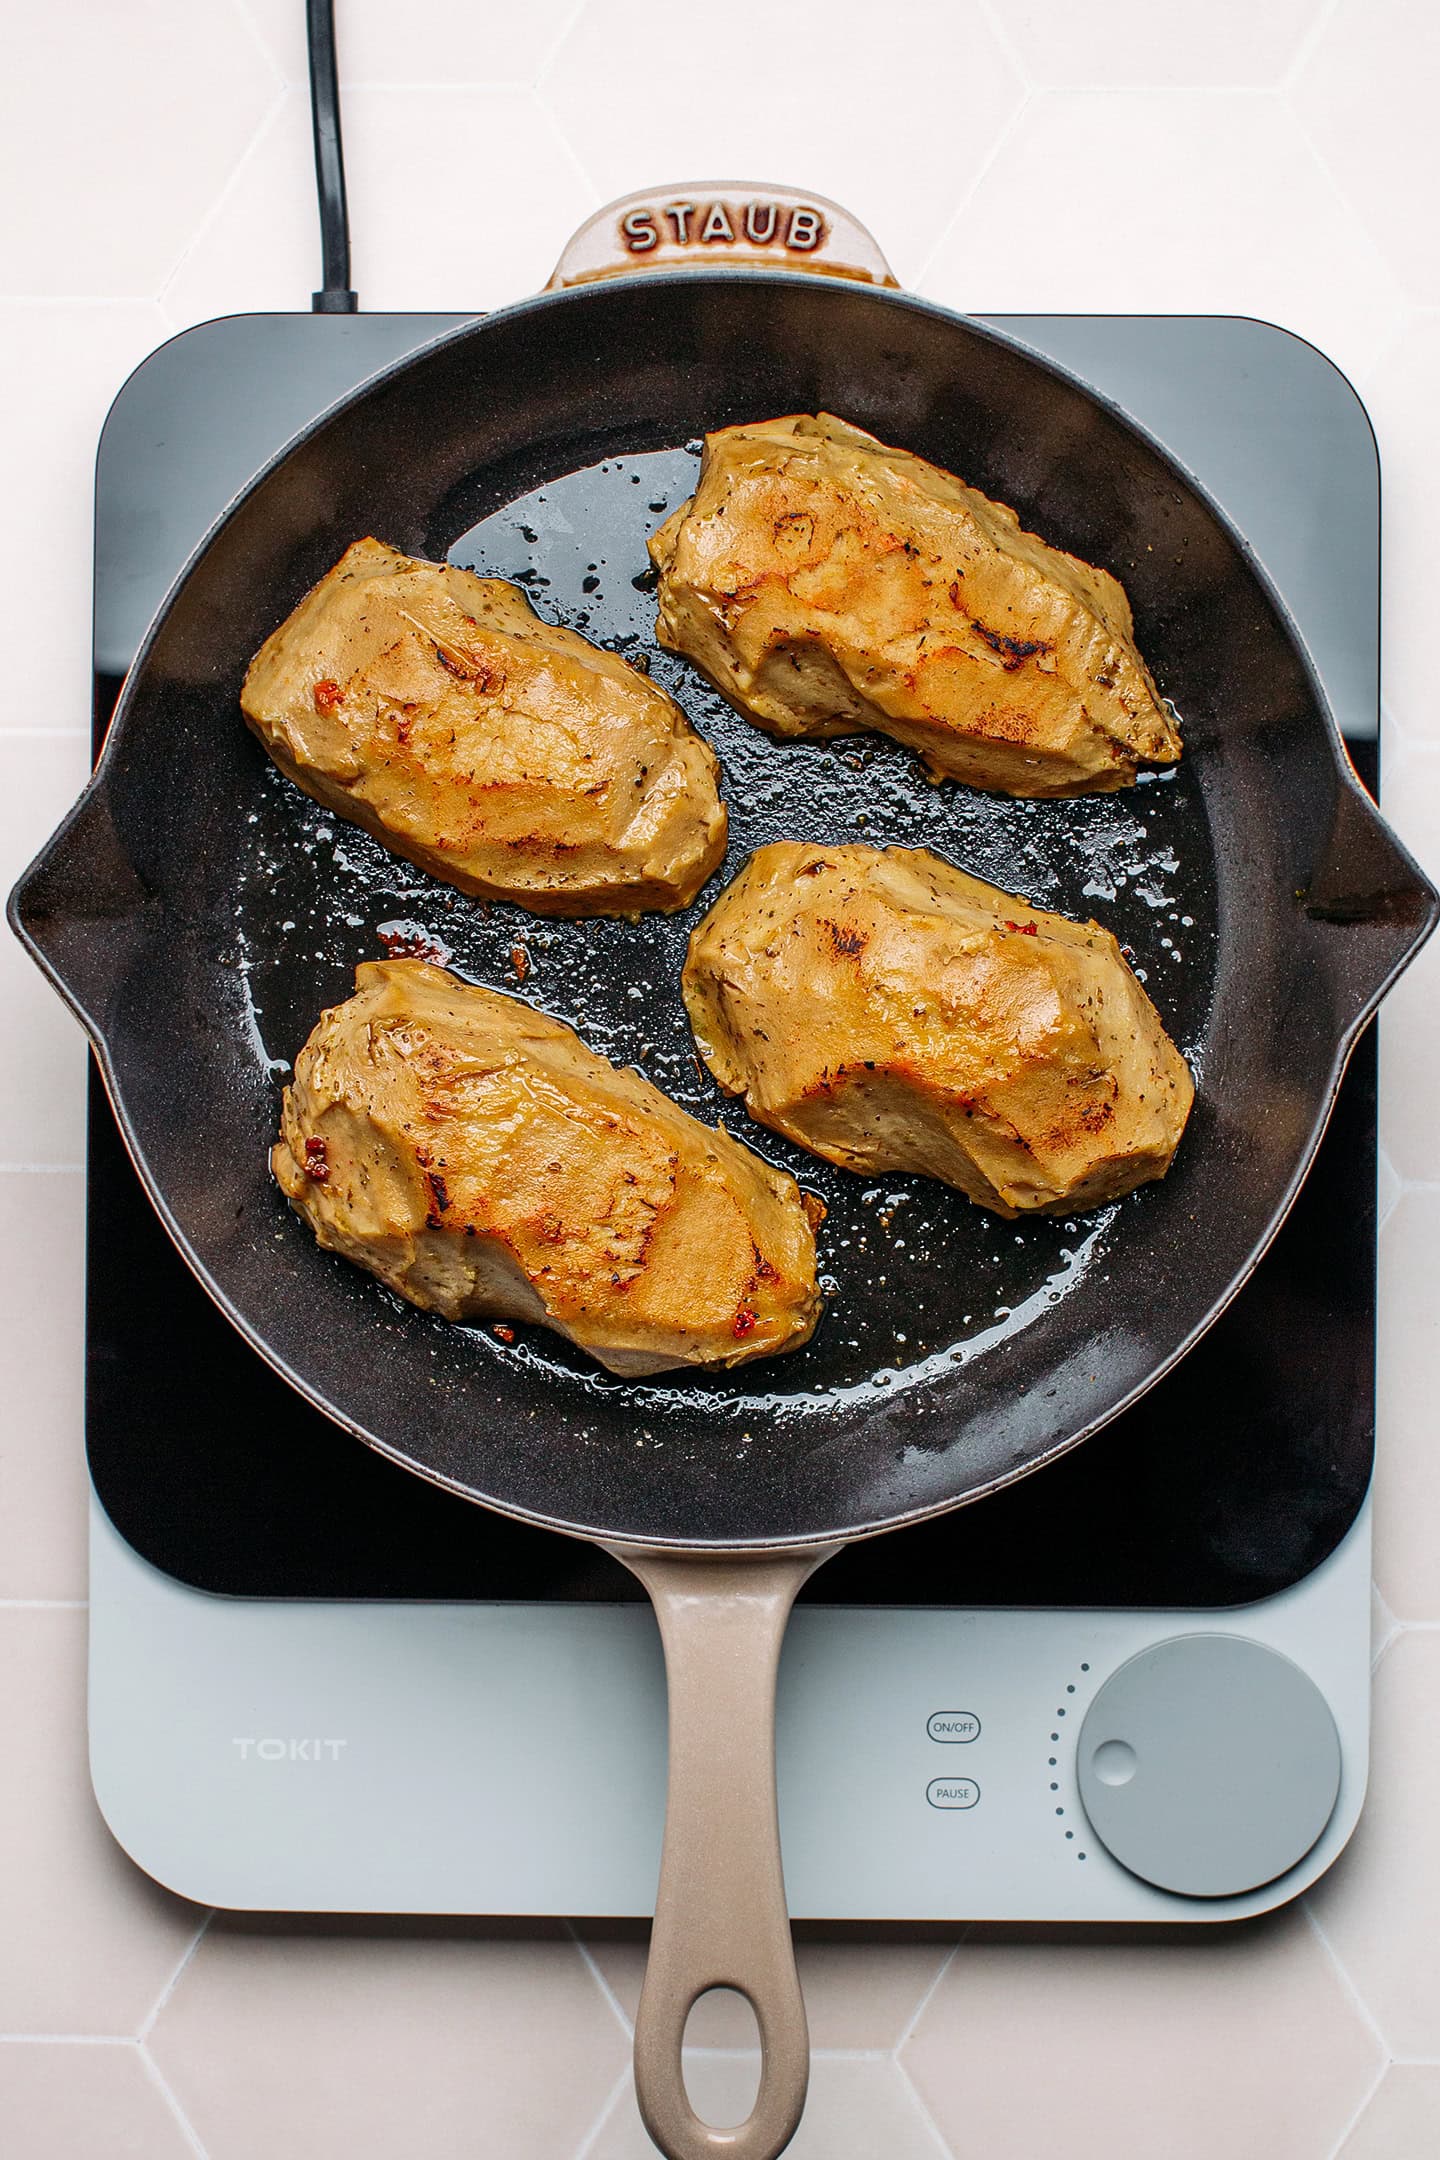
{"x":1362,"y":913}
{"x":1367,"y":880}
{"x":84,"y":910}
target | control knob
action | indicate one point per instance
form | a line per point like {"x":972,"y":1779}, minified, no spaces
{"x":1209,"y":1764}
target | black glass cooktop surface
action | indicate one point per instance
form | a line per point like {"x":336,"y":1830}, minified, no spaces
{"x":1232,"y":1479}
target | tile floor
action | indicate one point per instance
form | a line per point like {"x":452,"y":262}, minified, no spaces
{"x":1012,"y":154}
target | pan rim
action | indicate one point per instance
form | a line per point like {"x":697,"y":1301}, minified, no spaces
{"x":474,"y":328}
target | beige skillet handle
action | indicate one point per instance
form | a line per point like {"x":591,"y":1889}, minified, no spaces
{"x":722,"y":221}
{"x":720,"y":1915}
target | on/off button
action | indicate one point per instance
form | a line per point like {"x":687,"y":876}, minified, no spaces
{"x":953,"y":1726}
{"x":952,"y":1792}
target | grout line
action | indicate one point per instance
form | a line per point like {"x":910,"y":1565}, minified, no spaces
{"x":244,"y":8}
{"x":607,"y":2109}
{"x":552,"y":50}
{"x":600,"y":1981}
{"x":264,"y":127}
{"x":577,"y":166}
{"x":24,"y":2039}
{"x":183,"y":2122}
{"x":1300,"y":58}
{"x":994,"y":16}
{"x":1370,"y":2091}
{"x":916,"y":283}
{"x":924,"y":2003}
{"x":1341,"y":199}
{"x":1388,"y":1629}
{"x":174,"y":1981}
{"x":1356,"y":1998}
{"x":44,"y":1604}
{"x":41,"y":1169}
{"x":921,"y":2110}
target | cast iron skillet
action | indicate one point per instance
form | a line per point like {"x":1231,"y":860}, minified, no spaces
{"x":197,"y":913}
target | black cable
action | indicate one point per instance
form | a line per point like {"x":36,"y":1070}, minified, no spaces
{"x":336,"y":298}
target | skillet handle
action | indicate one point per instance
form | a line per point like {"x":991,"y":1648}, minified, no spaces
{"x":733,"y":222}
{"x":720,"y":1916}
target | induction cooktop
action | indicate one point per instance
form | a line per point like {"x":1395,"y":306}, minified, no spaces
{"x":291,"y":1636}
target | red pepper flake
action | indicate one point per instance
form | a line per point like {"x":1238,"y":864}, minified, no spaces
{"x":327,"y":696}
{"x":317,"y":1163}
{"x":520,"y":961}
{"x":502,"y":1333}
{"x":1025,"y":929}
{"x":412,"y":941}
{"x":744,"y":1323}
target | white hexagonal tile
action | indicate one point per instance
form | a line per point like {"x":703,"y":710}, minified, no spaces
{"x":854,"y":2111}
{"x":42,"y":1354}
{"x":1366,"y":93}
{"x":1235,"y":2041}
{"x":1407,"y":1484}
{"x":260,"y":250}
{"x":1181,"y":201}
{"x":325,"y":2042}
{"x":262,"y":247}
{"x":64,"y":365}
{"x":125,"y":122}
{"x":86,"y":1941}
{"x":1402,"y":2121}
{"x":42,"y":1050}
{"x":857,"y":1994}
{"x":508,"y":195}
{"x":1383,"y":1625}
{"x":461,"y":240}
{"x":1224,"y":45}
{"x":891,"y":110}
{"x":1409,"y":1047}
{"x":85,"y":2103}
{"x":1379,"y":1906}
{"x":444,"y":43}
{"x":280,"y":27}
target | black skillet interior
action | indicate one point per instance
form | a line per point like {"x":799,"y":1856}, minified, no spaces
{"x":201,"y":912}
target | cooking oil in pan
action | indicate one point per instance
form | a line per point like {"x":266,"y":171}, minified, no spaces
{"x":916,"y":1281}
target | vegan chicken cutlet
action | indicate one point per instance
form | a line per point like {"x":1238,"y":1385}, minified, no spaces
{"x":888,"y":1012}
{"x":482,"y":1161}
{"x":827,"y":584}
{"x":501,"y":753}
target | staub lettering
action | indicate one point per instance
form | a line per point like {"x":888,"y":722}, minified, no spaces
{"x":274,"y":1749}
{"x":799,"y":229}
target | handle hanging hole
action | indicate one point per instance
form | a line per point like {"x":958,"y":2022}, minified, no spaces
{"x":722,"y":2058}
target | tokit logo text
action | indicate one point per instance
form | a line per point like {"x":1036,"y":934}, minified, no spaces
{"x":274,"y":1749}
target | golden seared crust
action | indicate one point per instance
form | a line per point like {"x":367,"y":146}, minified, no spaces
{"x":890,"y":1013}
{"x":505,"y":755}
{"x":479,"y":1159}
{"x":826,"y":583}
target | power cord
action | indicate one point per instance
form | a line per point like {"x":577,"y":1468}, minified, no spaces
{"x":336,"y":297}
